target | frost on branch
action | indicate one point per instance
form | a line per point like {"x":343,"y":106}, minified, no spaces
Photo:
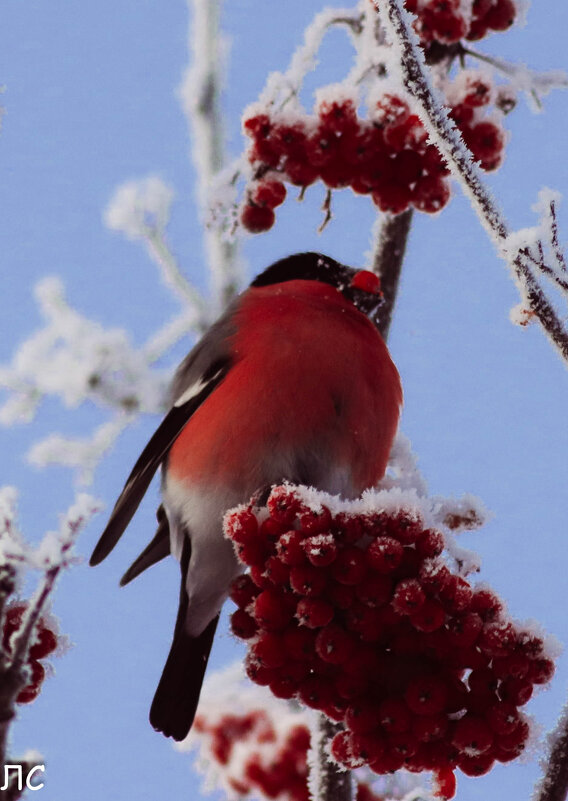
{"x":139,"y":206}
{"x":200,"y":95}
{"x":362,"y":610}
{"x":76,"y":359}
{"x":82,"y":455}
{"x":540,"y":247}
{"x":13,"y":552}
{"x":554,"y":783}
{"x":140,"y":210}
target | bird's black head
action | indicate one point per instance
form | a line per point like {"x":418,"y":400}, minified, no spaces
{"x":361,"y":287}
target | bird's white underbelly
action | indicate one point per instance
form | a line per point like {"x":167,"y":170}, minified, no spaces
{"x":213,"y":565}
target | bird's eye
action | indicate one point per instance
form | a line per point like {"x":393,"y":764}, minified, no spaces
{"x":367,"y":282}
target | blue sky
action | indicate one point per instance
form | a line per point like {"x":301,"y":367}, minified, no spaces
{"x":89,"y":103}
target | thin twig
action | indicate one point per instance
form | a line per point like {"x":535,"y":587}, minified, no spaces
{"x":544,"y":268}
{"x":304,"y":59}
{"x":530,"y":81}
{"x":173,"y":276}
{"x":558,"y":254}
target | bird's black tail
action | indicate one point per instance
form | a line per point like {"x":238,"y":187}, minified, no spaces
{"x":175,"y":701}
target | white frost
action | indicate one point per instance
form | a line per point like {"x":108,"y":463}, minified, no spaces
{"x":76,"y":359}
{"x":139,"y":205}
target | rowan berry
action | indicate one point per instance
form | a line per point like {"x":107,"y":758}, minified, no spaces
{"x":314,"y":612}
{"x":243,"y":625}
{"x":257,"y":219}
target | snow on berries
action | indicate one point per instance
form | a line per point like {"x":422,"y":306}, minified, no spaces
{"x":386,"y":155}
{"x":357,"y":609}
{"x":44,"y":643}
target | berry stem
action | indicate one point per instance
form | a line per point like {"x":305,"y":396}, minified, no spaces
{"x":327,"y":782}
{"x":388,"y":256}
{"x":444,"y":134}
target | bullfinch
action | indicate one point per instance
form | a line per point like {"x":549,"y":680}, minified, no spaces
{"x":293,"y":382}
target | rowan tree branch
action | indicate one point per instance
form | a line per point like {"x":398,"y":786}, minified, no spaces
{"x":554,"y":783}
{"x":444,"y":134}
{"x":327,"y":782}
{"x":200,"y":93}
{"x":388,"y":257}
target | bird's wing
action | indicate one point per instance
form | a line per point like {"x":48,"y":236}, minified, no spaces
{"x":143,"y":471}
{"x":206,"y":366}
{"x":197,"y":376}
{"x":156,"y":550}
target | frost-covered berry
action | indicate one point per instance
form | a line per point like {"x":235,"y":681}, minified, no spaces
{"x":429,"y":616}
{"x":426,"y":695}
{"x":31,"y":691}
{"x":268,"y":193}
{"x":315,"y":521}
{"x":242,"y":526}
{"x":320,"y":549}
{"x":284,"y":504}
{"x":257,"y":219}
{"x":268,"y":650}
{"x":408,"y":596}
{"x":350,"y":566}
{"x":243,"y":625}
{"x":243,"y":591}
{"x":334,"y":644}
{"x":290,"y":549}
{"x":272,"y":610}
{"x":314,"y":613}
{"x":385,"y":554}
{"x":45,"y":643}
{"x":472,"y":735}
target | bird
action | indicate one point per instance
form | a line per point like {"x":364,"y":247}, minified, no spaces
{"x":292,"y":383}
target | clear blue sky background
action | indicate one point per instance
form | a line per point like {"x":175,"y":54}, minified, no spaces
{"x":89,"y":101}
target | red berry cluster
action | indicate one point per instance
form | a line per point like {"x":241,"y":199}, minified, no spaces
{"x":276,"y":760}
{"x":279,"y":771}
{"x":471,"y":94}
{"x":44,"y":644}
{"x":387,"y":156}
{"x":359,"y":616}
{"x":448,"y":21}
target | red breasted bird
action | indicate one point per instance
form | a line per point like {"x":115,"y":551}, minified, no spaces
{"x":293,"y":382}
